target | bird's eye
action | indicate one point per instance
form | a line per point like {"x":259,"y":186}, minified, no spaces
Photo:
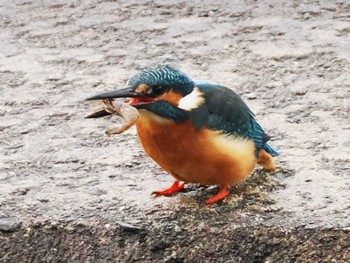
{"x":158,"y":88}
{"x":149,"y":91}
{"x":155,"y":90}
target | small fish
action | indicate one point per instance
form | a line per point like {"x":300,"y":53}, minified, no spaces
{"x":124,"y":110}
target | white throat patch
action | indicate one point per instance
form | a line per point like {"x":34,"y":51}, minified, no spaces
{"x":192,"y":100}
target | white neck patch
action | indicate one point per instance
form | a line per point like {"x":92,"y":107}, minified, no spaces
{"x":192,"y":100}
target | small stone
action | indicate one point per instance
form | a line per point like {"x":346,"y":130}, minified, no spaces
{"x":298,"y":90}
{"x":178,"y":229}
{"x":129,"y":227}
{"x":54,"y":224}
{"x":328,"y":5}
{"x":8,"y":224}
{"x":238,"y":11}
{"x":211,"y":13}
{"x":251,"y":96}
{"x":308,"y":9}
{"x":201,"y":226}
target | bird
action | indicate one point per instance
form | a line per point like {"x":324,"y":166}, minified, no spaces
{"x":197,"y":131}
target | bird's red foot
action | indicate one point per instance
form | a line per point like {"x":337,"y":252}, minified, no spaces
{"x":223,"y":192}
{"x":176,"y":187}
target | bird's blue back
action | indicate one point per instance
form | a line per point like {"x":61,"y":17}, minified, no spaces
{"x":225,"y":111}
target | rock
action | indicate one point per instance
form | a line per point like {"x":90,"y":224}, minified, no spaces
{"x":251,"y":96}
{"x":238,"y":10}
{"x":328,"y":5}
{"x":9,"y":224}
{"x":308,"y":8}
{"x":129,"y":227}
{"x":178,"y":229}
{"x":201,"y":226}
{"x":298,"y":90}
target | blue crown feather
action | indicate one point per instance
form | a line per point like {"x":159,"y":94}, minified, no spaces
{"x":163,"y":76}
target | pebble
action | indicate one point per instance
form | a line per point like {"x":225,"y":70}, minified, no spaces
{"x":178,"y":229}
{"x":251,"y":96}
{"x":201,"y":226}
{"x":298,"y":90}
{"x":9,"y":224}
{"x":238,"y":10}
{"x":308,"y":8}
{"x":328,"y":5}
{"x":129,"y":227}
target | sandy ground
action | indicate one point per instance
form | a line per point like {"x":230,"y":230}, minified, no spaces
{"x":288,"y":59}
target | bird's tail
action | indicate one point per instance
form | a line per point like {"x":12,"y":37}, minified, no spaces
{"x":270,"y":150}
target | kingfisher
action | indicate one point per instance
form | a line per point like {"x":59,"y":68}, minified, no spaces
{"x":197,"y":131}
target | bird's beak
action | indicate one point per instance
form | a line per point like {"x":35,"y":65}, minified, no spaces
{"x":121,"y":93}
{"x":138,"y":99}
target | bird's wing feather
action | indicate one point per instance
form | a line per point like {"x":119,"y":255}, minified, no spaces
{"x":224,"y":110}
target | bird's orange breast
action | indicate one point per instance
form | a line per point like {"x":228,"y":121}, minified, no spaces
{"x":205,"y":156}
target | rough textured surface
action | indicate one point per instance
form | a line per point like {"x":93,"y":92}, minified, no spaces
{"x":288,"y":59}
{"x":113,"y":243}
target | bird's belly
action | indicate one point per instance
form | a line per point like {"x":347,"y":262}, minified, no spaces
{"x":204,"y":156}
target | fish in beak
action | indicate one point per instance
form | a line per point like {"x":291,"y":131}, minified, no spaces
{"x":136,"y":100}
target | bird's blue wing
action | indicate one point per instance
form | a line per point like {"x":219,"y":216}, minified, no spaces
{"x":225,"y":111}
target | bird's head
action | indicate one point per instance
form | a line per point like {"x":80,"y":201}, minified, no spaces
{"x":164,"y":91}
{"x":162,"y":83}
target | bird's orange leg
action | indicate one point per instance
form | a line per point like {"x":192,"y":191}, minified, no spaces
{"x":176,"y":187}
{"x":223,"y":192}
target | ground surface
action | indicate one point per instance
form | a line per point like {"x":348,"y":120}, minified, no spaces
{"x":71,"y":194}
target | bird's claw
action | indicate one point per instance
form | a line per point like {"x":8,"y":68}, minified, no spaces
{"x":223,"y":192}
{"x":176,"y":187}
